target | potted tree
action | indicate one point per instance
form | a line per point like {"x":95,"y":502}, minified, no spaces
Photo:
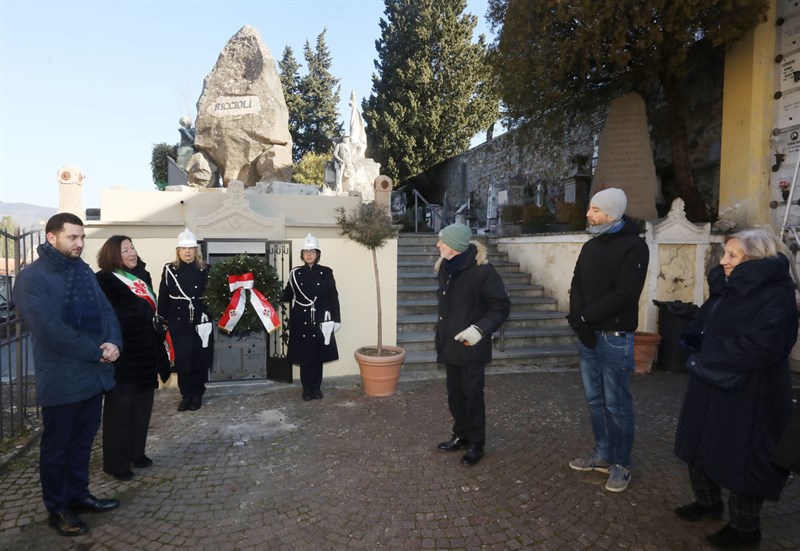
{"x":370,"y":226}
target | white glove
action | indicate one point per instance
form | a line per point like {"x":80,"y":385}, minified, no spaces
{"x":470,"y":336}
{"x":336,"y":327}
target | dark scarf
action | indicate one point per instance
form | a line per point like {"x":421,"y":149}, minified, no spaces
{"x":81,"y":307}
{"x":458,"y":261}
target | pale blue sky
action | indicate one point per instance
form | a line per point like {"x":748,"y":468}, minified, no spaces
{"x":95,"y":84}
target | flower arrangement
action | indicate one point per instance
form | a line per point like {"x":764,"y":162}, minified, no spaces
{"x":218,"y":294}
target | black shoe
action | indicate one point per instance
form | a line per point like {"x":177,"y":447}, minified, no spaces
{"x":123,"y":475}
{"x":731,"y":538}
{"x":184,"y":405}
{"x":93,"y":505}
{"x":317,"y":394}
{"x":195,"y":403}
{"x":455,"y":443}
{"x":307,"y":395}
{"x":695,"y":511}
{"x":473,"y":455}
{"x":143,"y":462}
{"x":67,"y":523}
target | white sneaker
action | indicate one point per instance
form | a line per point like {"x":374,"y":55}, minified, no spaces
{"x":591,"y":463}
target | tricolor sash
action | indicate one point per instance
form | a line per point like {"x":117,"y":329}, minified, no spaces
{"x":141,"y":289}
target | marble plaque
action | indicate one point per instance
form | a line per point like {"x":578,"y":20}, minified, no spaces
{"x":788,"y":67}
{"x":229,"y":106}
{"x":789,"y":109}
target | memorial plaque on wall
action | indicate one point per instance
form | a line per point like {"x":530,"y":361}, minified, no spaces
{"x":786,"y":8}
{"x":788,"y":66}
{"x":790,"y":35}
{"x":789,"y":109}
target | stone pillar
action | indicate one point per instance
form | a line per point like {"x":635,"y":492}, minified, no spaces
{"x":70,"y":191}
{"x":383,"y":192}
{"x":747,"y":122}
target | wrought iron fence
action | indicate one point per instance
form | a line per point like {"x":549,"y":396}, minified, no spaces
{"x":17,"y":391}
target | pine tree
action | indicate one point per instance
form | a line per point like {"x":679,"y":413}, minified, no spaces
{"x":289,"y":71}
{"x":319,"y":124}
{"x":428,"y":97}
{"x":552,"y":58}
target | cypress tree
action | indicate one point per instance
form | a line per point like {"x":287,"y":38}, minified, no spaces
{"x":429,"y":94}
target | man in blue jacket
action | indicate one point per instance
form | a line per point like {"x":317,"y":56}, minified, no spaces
{"x":76,"y":337}
{"x":473,"y":303}
{"x":604,"y":312}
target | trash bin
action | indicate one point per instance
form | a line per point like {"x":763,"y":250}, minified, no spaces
{"x":673,"y":319}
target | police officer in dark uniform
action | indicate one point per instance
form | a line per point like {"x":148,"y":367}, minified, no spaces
{"x":180,"y":307}
{"x":314,"y":317}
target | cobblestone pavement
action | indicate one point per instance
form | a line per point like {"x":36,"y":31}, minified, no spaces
{"x":258,"y":468}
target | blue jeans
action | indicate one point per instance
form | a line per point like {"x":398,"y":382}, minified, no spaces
{"x":606,"y":372}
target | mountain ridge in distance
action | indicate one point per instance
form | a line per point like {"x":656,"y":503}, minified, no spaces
{"x":26,"y":214}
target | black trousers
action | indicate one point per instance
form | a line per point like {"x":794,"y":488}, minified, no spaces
{"x":126,"y":417}
{"x":193,"y":384}
{"x":311,"y":376}
{"x":465,"y":398}
{"x":67,"y":436}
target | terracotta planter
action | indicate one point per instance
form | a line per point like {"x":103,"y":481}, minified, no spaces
{"x":645,"y":350}
{"x":379,"y":374}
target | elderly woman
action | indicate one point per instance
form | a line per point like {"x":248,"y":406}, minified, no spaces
{"x":181,"y":308}
{"x":126,"y":414}
{"x":311,"y":289}
{"x":728,"y":436}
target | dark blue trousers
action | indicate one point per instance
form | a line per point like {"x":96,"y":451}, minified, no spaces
{"x":67,"y":436}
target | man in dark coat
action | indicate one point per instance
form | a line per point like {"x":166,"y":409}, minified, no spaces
{"x":311,"y":289}
{"x":604,"y":312}
{"x":76,"y":337}
{"x":473,"y":303}
{"x":729,"y":438}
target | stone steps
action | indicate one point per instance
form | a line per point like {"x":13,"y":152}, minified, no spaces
{"x":535,"y":334}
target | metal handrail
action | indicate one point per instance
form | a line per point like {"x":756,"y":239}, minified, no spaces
{"x":418,"y":195}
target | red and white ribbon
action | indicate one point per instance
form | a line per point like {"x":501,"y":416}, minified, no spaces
{"x":239,"y":285}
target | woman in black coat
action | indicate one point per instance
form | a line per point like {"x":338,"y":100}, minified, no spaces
{"x":728,"y":438}
{"x":126,"y":414}
{"x":181,"y":308}
{"x":312,"y":291}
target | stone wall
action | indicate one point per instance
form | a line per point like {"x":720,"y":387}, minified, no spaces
{"x":519,"y":159}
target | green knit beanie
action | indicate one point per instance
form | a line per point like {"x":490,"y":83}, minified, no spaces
{"x":456,"y":236}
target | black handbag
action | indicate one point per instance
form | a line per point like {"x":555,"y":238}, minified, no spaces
{"x":724,"y":380}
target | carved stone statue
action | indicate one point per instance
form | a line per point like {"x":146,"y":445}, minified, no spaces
{"x":343,"y":162}
{"x":186,"y":147}
{"x":358,"y":134}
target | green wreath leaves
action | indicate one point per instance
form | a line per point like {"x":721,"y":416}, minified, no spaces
{"x":218,"y":293}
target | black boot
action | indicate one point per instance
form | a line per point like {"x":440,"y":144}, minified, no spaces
{"x":731,"y":538}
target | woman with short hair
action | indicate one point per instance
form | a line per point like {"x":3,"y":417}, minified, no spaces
{"x":728,"y":431}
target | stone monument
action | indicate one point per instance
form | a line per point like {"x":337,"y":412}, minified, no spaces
{"x":353,"y":172}
{"x":242,"y":120}
{"x":625,"y":159}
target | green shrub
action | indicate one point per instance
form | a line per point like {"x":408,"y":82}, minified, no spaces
{"x":533,"y":215}
{"x":512,"y":214}
{"x":159,"y":163}
{"x":571,"y":214}
{"x":311,"y":169}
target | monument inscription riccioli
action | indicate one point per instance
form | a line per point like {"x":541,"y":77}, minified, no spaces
{"x":228,"y":106}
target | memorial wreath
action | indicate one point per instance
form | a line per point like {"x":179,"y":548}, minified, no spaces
{"x":229,"y":284}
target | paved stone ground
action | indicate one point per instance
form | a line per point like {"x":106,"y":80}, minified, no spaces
{"x":257,"y":468}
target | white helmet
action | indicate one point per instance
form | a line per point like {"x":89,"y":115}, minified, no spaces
{"x":310,"y":242}
{"x":186,"y":239}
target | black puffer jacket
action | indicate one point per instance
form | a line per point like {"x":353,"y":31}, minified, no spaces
{"x":732,"y":436}
{"x":608,"y":279}
{"x":142,"y":354}
{"x":473,"y":295}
